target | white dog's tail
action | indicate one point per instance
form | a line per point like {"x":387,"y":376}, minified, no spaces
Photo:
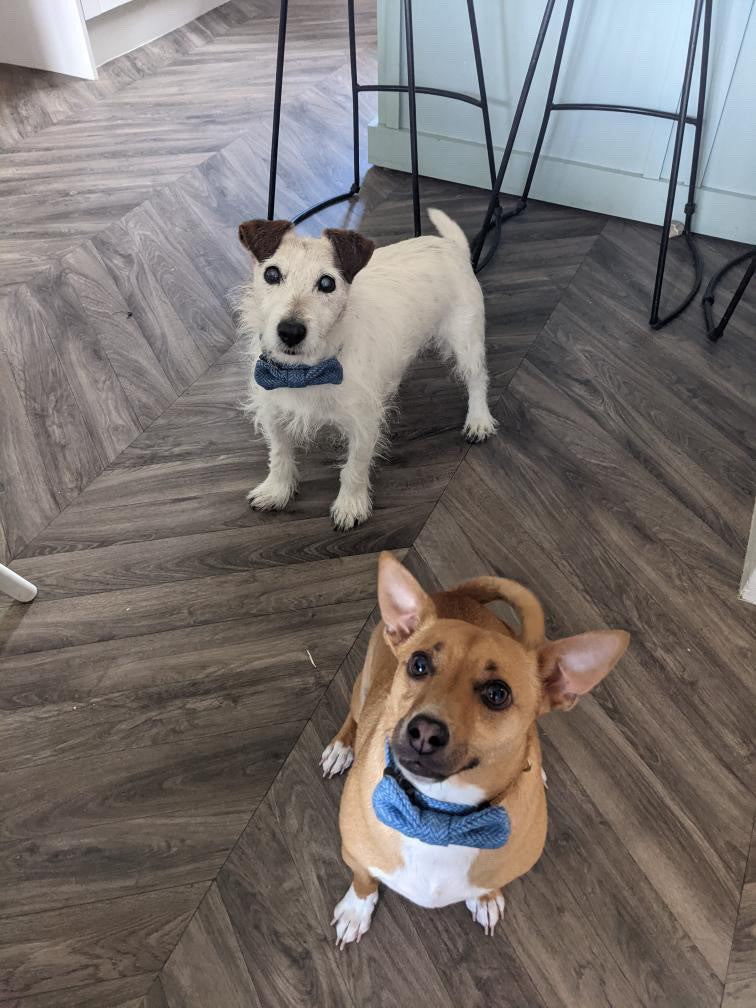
{"x":449,"y":229}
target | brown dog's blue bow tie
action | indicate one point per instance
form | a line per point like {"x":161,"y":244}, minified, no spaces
{"x":416,"y":815}
{"x":274,"y":374}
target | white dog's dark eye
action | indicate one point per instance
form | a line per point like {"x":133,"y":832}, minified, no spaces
{"x":496,"y":694}
{"x":419,"y":665}
{"x":272,"y":275}
{"x":326,"y":284}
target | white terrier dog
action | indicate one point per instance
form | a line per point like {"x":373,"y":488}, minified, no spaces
{"x":334,"y":326}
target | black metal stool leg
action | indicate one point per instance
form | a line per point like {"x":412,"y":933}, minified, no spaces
{"x":355,"y":98}
{"x":277,"y":108}
{"x":493,"y":203}
{"x":714,"y":330}
{"x":412,"y":114}
{"x":549,"y":99}
{"x":482,"y":91}
{"x":654,"y":320}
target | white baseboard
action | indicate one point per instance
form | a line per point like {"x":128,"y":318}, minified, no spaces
{"x":138,"y":22}
{"x":589,"y":187}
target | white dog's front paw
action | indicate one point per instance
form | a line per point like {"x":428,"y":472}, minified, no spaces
{"x":487,"y":911}
{"x":336,"y":758}
{"x":271,"y":495}
{"x":352,"y":916}
{"x":478,"y":427}
{"x":349,"y":510}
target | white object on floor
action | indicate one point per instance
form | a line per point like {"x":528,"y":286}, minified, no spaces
{"x":14,"y":585}
{"x":748,"y":584}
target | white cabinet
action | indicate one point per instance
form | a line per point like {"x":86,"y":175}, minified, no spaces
{"x":47,"y":34}
{"x":94,"y":7}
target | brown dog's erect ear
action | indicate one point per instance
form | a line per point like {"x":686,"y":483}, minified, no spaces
{"x":403,"y":603}
{"x":574,"y":665}
{"x":352,"y":250}
{"x":262,"y":237}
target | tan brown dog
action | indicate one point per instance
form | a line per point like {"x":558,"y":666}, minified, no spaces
{"x":443,"y":718}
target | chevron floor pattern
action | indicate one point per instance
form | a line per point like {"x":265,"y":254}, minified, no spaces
{"x":166,"y":840}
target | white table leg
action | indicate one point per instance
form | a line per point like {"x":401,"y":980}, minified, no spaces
{"x":16,"y":586}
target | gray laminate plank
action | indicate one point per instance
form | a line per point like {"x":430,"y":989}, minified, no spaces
{"x":114,"y":615}
{"x":132,"y":358}
{"x":291,"y":962}
{"x":61,"y":949}
{"x":103,"y":403}
{"x":228,"y":772}
{"x":111,"y":859}
{"x":69,"y":455}
{"x":207,"y":967}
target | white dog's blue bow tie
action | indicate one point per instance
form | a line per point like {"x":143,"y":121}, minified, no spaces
{"x":274,"y":374}
{"x":402,"y":807}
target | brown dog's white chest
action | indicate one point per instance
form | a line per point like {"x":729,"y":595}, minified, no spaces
{"x":432,"y":876}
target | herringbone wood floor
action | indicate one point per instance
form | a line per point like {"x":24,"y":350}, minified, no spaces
{"x":166,"y":841}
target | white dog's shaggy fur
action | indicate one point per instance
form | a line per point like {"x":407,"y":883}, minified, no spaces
{"x":408,"y":295}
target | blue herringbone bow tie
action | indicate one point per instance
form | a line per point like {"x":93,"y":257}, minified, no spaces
{"x":274,"y":374}
{"x":398,"y":805}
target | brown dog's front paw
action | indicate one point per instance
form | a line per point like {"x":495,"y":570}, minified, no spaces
{"x":487,"y":911}
{"x":336,"y":758}
{"x":352,"y":916}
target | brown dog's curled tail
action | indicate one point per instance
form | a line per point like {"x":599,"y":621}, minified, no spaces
{"x":488,"y":589}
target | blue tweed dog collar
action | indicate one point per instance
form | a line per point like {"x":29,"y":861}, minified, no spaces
{"x":274,"y":374}
{"x":401,"y":806}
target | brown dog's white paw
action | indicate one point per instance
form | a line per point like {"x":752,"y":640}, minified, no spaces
{"x":349,"y":510}
{"x":352,"y":916}
{"x":479,"y":427}
{"x":270,"y":495}
{"x":487,"y":911}
{"x":336,"y":758}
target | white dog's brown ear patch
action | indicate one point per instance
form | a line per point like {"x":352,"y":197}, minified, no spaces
{"x":262,"y":237}
{"x":353,"y":251}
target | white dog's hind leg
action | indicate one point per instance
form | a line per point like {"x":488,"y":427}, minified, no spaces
{"x":353,"y":504}
{"x":463,"y":335}
{"x":275,"y":492}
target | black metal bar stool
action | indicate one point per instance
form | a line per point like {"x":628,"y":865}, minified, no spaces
{"x":494,"y":215}
{"x":716,"y":330}
{"x":410,"y":89}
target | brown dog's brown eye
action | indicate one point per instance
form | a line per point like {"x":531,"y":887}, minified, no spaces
{"x":419,"y":665}
{"x":326,"y":284}
{"x":272,"y":275}
{"x":496,"y":694}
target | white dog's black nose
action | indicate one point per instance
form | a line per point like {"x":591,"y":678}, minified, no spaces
{"x":291,"y":331}
{"x":427,"y":735}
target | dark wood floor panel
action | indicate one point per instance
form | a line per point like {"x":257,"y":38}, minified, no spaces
{"x":289,"y":956}
{"x":207,"y":967}
{"x":190,"y":684}
{"x":229,"y":773}
{"x":28,"y":501}
{"x":63,"y":439}
{"x":126,"y":993}
{"x":122,"y":858}
{"x":133,"y":360}
{"x":740,"y":988}
{"x":106,"y":941}
{"x":114,"y":615}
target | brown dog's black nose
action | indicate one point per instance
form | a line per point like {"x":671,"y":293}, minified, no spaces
{"x":426,"y":735}
{"x":291,"y":331}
